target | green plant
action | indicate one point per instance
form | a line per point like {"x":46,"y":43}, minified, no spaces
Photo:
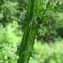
{"x":9,"y":39}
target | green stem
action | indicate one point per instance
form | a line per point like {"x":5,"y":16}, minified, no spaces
{"x":24,"y":53}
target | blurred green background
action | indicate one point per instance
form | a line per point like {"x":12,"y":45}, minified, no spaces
{"x":48,"y":47}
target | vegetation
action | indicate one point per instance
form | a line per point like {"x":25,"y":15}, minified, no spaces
{"x":31,"y":31}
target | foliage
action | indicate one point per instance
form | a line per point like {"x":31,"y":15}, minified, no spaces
{"x":6,"y":15}
{"x":48,"y":53}
{"x":10,"y":10}
{"x":9,"y":39}
{"x":51,"y":21}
